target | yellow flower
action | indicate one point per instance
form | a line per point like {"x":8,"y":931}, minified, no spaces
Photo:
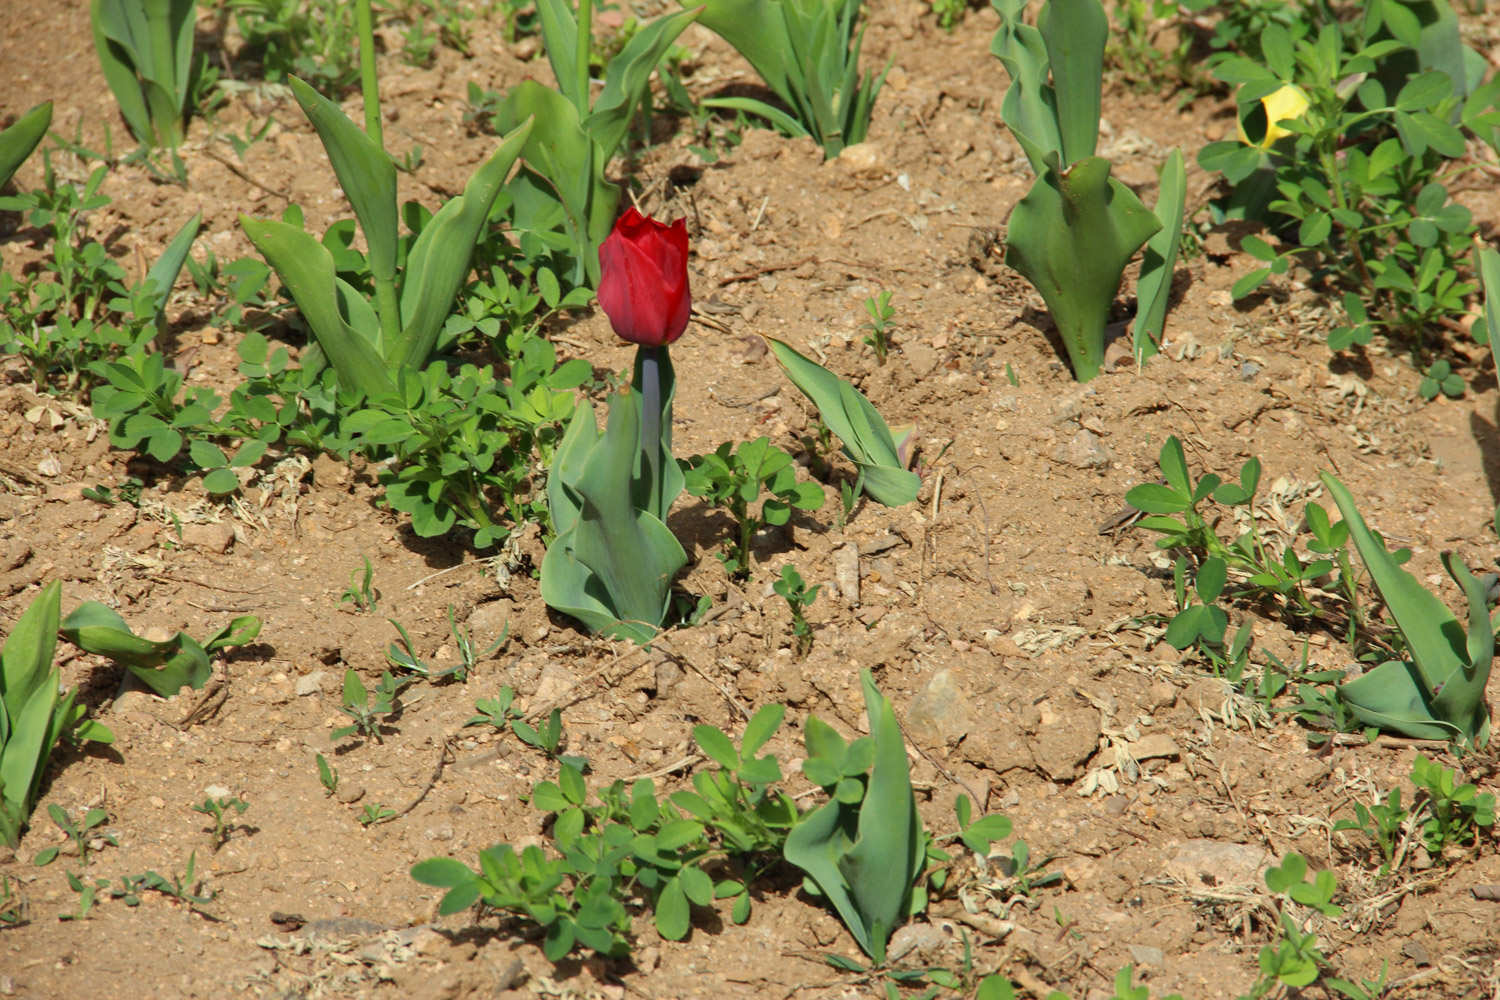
{"x":1283,"y":105}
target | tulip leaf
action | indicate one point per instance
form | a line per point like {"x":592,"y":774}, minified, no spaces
{"x":867,"y":439}
{"x":164,"y":666}
{"x":1488,"y":266}
{"x":145,"y":49}
{"x":560,"y":39}
{"x":18,"y":141}
{"x":1075,"y":32}
{"x":611,"y":564}
{"x":1153,"y":290}
{"x":1071,"y":237}
{"x":365,"y":172}
{"x":865,"y":855}
{"x":1439,"y":694}
{"x":627,"y":77}
{"x":306,"y":268}
{"x":439,"y":260}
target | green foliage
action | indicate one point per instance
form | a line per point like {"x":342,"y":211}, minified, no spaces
{"x":18,"y":141}
{"x":1295,"y":960}
{"x":1076,"y":229}
{"x":562,"y":197}
{"x":807,"y":52}
{"x":328,"y":775}
{"x":548,"y":738}
{"x":404,"y":654}
{"x":146,"y":50}
{"x":948,"y":13}
{"x":1154,"y":287}
{"x":76,"y":311}
{"x":219,"y":810}
{"x":370,"y":716}
{"x":457,"y":445}
{"x":1440,"y":378}
{"x":613,"y":560}
{"x":375,"y":813}
{"x":1438,"y":693}
{"x":311,"y":39}
{"x":1452,"y":814}
{"x":369,"y":344}
{"x":1353,"y":191}
{"x":864,"y":848}
{"x":708,"y":842}
{"x":34,"y":714}
{"x":81,"y":834}
{"x":735,"y":478}
{"x":880,"y":456}
{"x":361,"y":591}
{"x":163,"y":666}
{"x":799,"y":597}
{"x":879,"y":337}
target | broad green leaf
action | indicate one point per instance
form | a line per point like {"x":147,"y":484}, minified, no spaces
{"x":164,"y":272}
{"x":306,"y":268}
{"x":1488,"y":266}
{"x":439,"y":260}
{"x":1153,"y":290}
{"x":760,"y":728}
{"x":444,"y":873}
{"x":627,"y":77}
{"x":1071,"y":237}
{"x":1075,"y":32}
{"x":673,"y":916}
{"x":164,"y":666}
{"x":17,"y":142}
{"x":865,"y":435}
{"x":712,"y":741}
{"x":365,"y":172}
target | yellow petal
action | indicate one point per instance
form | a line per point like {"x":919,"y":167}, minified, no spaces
{"x":1282,"y":105}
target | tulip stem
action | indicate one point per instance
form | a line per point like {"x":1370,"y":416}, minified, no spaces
{"x":651,"y":358}
{"x":581,"y":53}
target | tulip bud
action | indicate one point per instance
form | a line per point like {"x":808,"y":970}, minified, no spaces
{"x":643,"y":287}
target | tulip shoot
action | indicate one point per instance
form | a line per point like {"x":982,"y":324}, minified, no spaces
{"x":1438,"y":694}
{"x":17,"y":142}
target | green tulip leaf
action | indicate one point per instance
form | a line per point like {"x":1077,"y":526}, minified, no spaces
{"x":1075,"y":32}
{"x":1440,"y":693}
{"x":18,"y":141}
{"x":439,"y":260}
{"x":1488,"y":266}
{"x":1153,"y":290}
{"x":627,"y":77}
{"x":1071,"y":237}
{"x":306,"y":268}
{"x":611,"y":564}
{"x":365,"y":172}
{"x":164,"y":666}
{"x":867,"y":439}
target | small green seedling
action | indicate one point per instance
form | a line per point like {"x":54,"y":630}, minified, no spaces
{"x":376,"y":813}
{"x":799,"y":597}
{"x":183,"y":888}
{"x":1454,"y":812}
{"x":403,"y":655}
{"x":219,"y":810}
{"x":497,"y":712}
{"x":361,"y":591}
{"x":549,"y":739}
{"x":1383,"y":822}
{"x":12,"y":905}
{"x":735,"y":479}
{"x":1441,"y":378}
{"x":88,"y":895}
{"x":369,"y":717}
{"x":879,"y":337}
{"x":328,"y":775}
{"x":1296,"y":960}
{"x":81,"y":834}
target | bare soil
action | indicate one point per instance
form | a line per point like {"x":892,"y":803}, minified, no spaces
{"x":1005,"y":625}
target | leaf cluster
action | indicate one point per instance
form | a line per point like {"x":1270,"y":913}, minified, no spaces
{"x":735,"y":477}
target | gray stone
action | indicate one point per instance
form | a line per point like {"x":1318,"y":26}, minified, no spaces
{"x":1147,"y":955}
{"x":310,"y":683}
{"x":1083,"y":450}
{"x":938,"y":715}
{"x":1065,"y":744}
{"x":1218,"y":866}
{"x":846,"y":572}
{"x":209,"y":537}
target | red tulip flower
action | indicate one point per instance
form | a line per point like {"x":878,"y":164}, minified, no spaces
{"x":643,"y":287}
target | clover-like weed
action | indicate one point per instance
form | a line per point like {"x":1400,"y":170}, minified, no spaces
{"x":735,"y":478}
{"x":799,"y":597}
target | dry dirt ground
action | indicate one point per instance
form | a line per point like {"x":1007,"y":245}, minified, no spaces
{"x":1003,"y":624}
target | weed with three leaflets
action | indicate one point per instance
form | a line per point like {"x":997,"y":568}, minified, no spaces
{"x":219,"y":810}
{"x":1295,"y":961}
{"x":799,"y":597}
{"x":82,"y":834}
{"x":361,"y":591}
{"x":34,"y":713}
{"x":734,"y":478}
{"x":1347,"y":170}
{"x":808,"y":54}
{"x":1453,"y":813}
{"x":370,"y":717}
